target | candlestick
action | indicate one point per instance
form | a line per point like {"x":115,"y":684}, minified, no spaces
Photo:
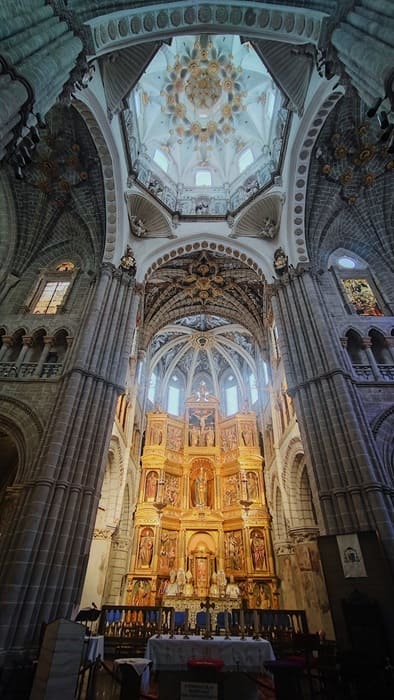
{"x":226,"y":625}
{"x":159,"y":627}
{"x":242,"y":623}
{"x":256,"y":624}
{"x":186,"y":625}
{"x":172,"y":623}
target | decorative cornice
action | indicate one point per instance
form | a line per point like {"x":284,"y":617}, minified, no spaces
{"x":304,"y":534}
{"x":102,"y":534}
{"x":139,"y":24}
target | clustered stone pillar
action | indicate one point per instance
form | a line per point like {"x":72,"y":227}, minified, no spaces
{"x":45,"y":551}
{"x":365,"y":43}
{"x":346,"y":469}
{"x":38,"y":53}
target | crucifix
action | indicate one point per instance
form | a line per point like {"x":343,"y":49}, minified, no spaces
{"x":207,"y":634}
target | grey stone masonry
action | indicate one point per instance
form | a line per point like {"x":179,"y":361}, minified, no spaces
{"x":346,"y":464}
{"x":44,"y":552}
{"x":38,"y":52}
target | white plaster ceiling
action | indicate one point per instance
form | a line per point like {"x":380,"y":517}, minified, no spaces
{"x":201,"y":103}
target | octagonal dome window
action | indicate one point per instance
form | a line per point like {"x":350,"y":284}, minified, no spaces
{"x":206,"y":104}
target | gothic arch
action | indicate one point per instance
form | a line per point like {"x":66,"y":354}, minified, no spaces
{"x":111,"y":175}
{"x":120,"y":29}
{"x":294,"y":448}
{"x":383,"y":430}
{"x":8,"y":220}
{"x":22,"y":424}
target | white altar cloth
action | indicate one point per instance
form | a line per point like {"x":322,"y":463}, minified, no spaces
{"x":237,"y":654}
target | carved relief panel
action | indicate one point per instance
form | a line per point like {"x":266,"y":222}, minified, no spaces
{"x":234,"y":550}
{"x":231,"y":490}
{"x":168,"y":550}
{"x":171,"y":495}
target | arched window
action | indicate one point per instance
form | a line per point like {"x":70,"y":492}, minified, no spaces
{"x":53,"y":289}
{"x":245,"y":159}
{"x":152,"y":387}
{"x":356,"y":283}
{"x":308,"y":511}
{"x":161,"y":160}
{"x":355,"y":348}
{"x":253,"y":388}
{"x":175,"y":393}
{"x":203,"y":178}
{"x":231,"y":396}
{"x":380,"y":349}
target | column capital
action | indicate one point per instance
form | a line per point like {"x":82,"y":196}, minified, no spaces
{"x":344,"y":341}
{"x":8,"y":340}
{"x":27,"y":340}
{"x":366,"y":342}
{"x":304,"y":534}
{"x":49,"y":340}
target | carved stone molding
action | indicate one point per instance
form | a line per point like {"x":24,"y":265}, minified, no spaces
{"x":283,"y":548}
{"x":102,"y":533}
{"x":304,"y":534}
{"x":136,"y":25}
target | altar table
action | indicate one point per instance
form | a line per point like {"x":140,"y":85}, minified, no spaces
{"x":237,"y":654}
{"x":170,"y":656}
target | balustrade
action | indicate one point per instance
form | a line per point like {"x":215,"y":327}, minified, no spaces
{"x":10,"y":370}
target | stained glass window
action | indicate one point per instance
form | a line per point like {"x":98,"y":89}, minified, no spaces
{"x":360,"y":294}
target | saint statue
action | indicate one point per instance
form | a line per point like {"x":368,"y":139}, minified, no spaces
{"x":232,"y":589}
{"x":214,"y":588}
{"x":172,"y":586}
{"x":201,"y":488}
{"x":189,"y":588}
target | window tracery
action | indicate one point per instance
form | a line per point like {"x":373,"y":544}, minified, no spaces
{"x":53,"y":288}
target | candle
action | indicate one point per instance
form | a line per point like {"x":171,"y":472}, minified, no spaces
{"x":226,"y":624}
{"x":242,"y":621}
{"x":256,"y":623}
{"x":160,"y":621}
{"x":172,"y":622}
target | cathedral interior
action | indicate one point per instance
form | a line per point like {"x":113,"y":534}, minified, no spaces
{"x":196,"y":310}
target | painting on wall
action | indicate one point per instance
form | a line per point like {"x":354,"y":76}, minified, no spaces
{"x":140,"y":594}
{"x":145,"y":548}
{"x":234,"y":550}
{"x":151,"y":486}
{"x":167,"y":552}
{"x":361,"y":296}
{"x":258,"y":549}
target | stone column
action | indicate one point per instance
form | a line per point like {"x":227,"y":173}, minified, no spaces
{"x":39,"y":51}
{"x":27,"y":343}
{"x":389,"y":344}
{"x":367,"y":345}
{"x":45,"y":550}
{"x":365,"y":44}
{"x":48,"y":343}
{"x":345,"y":468}
{"x":7,"y":343}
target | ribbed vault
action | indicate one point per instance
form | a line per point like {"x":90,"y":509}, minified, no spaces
{"x":203,"y":282}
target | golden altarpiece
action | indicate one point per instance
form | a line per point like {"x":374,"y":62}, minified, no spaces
{"x":202,"y":525}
